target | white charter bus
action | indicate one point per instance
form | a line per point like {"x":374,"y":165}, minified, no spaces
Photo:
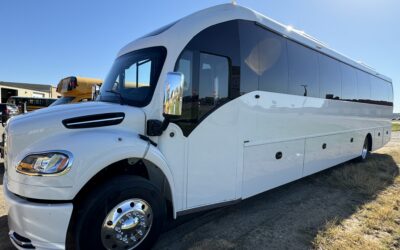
{"x":230,"y":104}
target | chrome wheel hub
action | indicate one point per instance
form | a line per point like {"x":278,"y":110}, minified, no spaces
{"x":127,"y":224}
{"x":364,"y":151}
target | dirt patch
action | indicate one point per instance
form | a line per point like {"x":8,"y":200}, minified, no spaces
{"x":375,"y":224}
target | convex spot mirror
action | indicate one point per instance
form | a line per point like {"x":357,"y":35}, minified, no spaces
{"x":173,"y":93}
{"x":95,"y":91}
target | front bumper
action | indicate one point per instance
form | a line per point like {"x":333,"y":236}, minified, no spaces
{"x":45,"y":225}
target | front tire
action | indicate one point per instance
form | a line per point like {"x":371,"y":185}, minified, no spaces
{"x":125,"y":213}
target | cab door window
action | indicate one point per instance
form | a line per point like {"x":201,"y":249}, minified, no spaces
{"x":213,"y":82}
{"x":210,"y":64}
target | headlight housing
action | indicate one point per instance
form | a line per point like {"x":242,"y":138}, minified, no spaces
{"x":46,"y":164}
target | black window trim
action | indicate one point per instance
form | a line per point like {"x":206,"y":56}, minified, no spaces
{"x":319,"y":51}
{"x":388,"y":103}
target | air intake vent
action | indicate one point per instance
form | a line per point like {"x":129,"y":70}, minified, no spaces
{"x":93,"y":121}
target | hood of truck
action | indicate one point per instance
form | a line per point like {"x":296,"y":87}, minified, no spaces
{"x":50,"y":120}
{"x":24,"y":132}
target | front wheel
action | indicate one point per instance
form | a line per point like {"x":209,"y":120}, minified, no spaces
{"x":125,"y":213}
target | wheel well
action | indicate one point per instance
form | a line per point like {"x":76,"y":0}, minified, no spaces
{"x":131,"y":166}
{"x":369,"y":138}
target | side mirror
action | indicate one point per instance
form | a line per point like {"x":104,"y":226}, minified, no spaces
{"x":172,"y":106}
{"x":173,"y":94}
{"x":95,"y":91}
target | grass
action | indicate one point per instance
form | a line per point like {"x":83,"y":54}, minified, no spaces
{"x":376,"y":223}
{"x":395,"y":126}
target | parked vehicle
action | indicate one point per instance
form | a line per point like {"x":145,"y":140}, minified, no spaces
{"x":27,"y":104}
{"x":75,"y":89}
{"x":230,"y":104}
{"x":7,"y":111}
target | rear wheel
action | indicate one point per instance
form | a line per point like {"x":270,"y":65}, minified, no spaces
{"x":125,"y":213}
{"x":365,"y":150}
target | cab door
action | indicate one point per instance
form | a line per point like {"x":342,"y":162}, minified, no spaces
{"x":210,"y":64}
{"x":213,"y":145}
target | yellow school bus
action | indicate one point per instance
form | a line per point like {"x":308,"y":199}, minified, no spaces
{"x":28,"y":104}
{"x":76,"y":89}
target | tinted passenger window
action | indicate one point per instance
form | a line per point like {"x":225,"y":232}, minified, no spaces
{"x":264,"y":56}
{"x":363,"y":86}
{"x":303,"y":70}
{"x":250,"y":61}
{"x":389,"y":92}
{"x":329,"y":78}
{"x":378,"y":90}
{"x":349,"y":83}
{"x":213,"y":82}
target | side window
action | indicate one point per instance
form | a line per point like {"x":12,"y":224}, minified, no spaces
{"x":249,"y":57}
{"x":303,"y":70}
{"x":378,"y":90}
{"x":264,"y":59}
{"x":185,"y":66}
{"x":213,"y":82}
{"x":330,"y":82}
{"x":273,"y":63}
{"x":389,"y":92}
{"x":349,"y":82}
{"x":363,"y":86}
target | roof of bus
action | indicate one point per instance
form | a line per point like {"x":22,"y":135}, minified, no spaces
{"x":189,"y":26}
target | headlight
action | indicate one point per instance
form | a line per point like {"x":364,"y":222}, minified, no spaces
{"x":46,"y":164}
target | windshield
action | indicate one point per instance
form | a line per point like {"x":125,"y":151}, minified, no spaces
{"x":133,"y":77}
{"x":63,"y":100}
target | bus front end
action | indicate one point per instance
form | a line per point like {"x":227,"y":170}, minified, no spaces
{"x":65,"y":160}
{"x":49,"y":156}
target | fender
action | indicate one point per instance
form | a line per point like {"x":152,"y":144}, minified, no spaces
{"x":155,"y":156}
{"x":127,"y":145}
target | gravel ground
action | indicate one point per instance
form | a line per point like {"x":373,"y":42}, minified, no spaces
{"x":287,"y":217}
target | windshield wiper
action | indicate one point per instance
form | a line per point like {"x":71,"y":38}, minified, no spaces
{"x":121,"y":99}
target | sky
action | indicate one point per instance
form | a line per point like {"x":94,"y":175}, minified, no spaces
{"x":43,"y":41}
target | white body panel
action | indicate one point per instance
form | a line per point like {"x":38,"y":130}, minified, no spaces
{"x":230,"y":155}
{"x":262,"y":171}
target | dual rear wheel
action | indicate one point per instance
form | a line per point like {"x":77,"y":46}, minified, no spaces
{"x":365,"y":151}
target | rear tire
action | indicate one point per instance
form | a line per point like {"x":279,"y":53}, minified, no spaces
{"x":137,"y":225}
{"x":365,"y":151}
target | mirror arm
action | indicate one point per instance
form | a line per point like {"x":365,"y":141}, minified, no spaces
{"x":157,"y":127}
{"x":165,"y":124}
